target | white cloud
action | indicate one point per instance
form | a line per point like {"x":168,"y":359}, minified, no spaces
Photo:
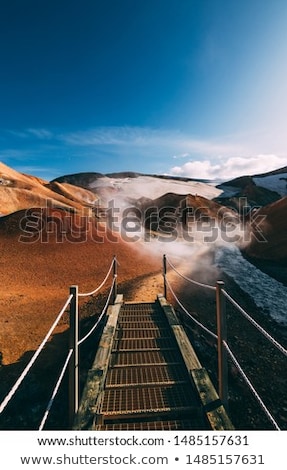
{"x":31,"y":132}
{"x":20,"y":134}
{"x":147,"y":150}
{"x":158,"y":142}
{"x":136,"y":136}
{"x":183,"y":155}
{"x":137,"y":141}
{"x":229,"y":168}
{"x":196,"y":169}
{"x":40,"y":133}
{"x":14,"y":154}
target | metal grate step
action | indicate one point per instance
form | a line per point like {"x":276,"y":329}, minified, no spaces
{"x":141,"y":324}
{"x":142,"y":358}
{"x":144,"y":376}
{"x":141,"y":319}
{"x":149,"y":306}
{"x":143,"y":333}
{"x":169,"y":425}
{"x":141,"y":310}
{"x":146,"y":400}
{"x":154,"y":344}
{"x":139,"y":313}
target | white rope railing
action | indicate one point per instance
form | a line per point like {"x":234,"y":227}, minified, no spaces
{"x":254,"y":323}
{"x":55,"y":391}
{"x":73,"y":352}
{"x":236,"y":305}
{"x":102,"y":284}
{"x":34,"y":357}
{"x":189,"y":315}
{"x":100,"y":317}
{"x":253,"y":390}
{"x":222,"y":341}
{"x":72,"y":300}
{"x":192,"y":281}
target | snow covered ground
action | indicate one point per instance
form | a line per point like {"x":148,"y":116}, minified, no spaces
{"x":153,"y":187}
{"x":267,"y":293}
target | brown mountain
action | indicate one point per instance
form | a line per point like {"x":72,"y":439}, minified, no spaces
{"x":269,"y":228}
{"x":20,"y":191}
{"x":245,"y":191}
{"x":171,"y":210}
{"x":43,"y":252}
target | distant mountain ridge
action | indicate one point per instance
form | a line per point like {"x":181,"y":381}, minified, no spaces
{"x":264,"y":193}
{"x":271,"y":173}
{"x":258,"y":190}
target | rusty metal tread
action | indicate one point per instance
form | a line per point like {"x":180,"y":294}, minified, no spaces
{"x":140,"y":309}
{"x":143,"y":333}
{"x":147,"y":375}
{"x":143,"y":364}
{"x":142,"y":358}
{"x":162,"y":383}
{"x":150,"y":308}
{"x":168,"y":425}
{"x":141,"y":324}
{"x":150,"y":399}
{"x":140,"y":305}
{"x":139,"y":412}
{"x":149,"y":344}
{"x":142,"y":318}
{"x":137,"y":314}
{"x":143,"y":308}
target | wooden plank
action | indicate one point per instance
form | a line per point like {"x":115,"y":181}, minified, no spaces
{"x":204,"y":386}
{"x":212,"y":406}
{"x":189,"y":355}
{"x":219,"y":420}
{"x":97,"y":374}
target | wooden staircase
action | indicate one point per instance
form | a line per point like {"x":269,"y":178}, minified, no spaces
{"x":146,"y":375}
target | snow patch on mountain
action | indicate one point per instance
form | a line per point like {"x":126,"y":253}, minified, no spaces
{"x":153,"y":187}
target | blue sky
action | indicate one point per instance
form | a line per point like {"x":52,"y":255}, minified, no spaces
{"x":185,"y":87}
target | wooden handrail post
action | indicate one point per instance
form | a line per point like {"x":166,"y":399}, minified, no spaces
{"x":164,"y":277}
{"x":221,"y":351}
{"x":74,"y":361}
{"x":115,"y":278}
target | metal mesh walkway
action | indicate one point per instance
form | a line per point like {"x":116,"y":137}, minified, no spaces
{"x":147,"y":384}
{"x":147,"y":376}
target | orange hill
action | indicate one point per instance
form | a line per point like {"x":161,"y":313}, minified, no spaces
{"x":270,"y":222}
{"x":36,"y":271}
{"x":19,"y":191}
